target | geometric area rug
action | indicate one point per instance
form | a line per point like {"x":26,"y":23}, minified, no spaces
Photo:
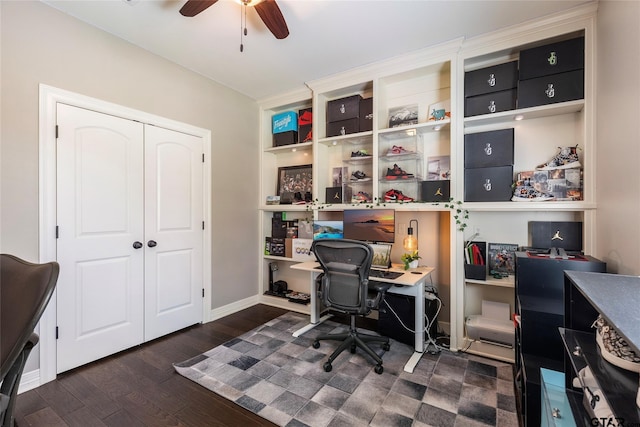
{"x":280,"y":378}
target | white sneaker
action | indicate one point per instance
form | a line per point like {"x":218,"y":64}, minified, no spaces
{"x":567,"y":158}
{"x":526,"y":193}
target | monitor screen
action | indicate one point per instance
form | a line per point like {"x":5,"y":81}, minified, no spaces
{"x":370,"y":225}
{"x":327,"y":230}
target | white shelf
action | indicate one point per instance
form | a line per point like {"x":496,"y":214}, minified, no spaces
{"x":416,"y":129}
{"x":352,"y":138}
{"x":528,"y":206}
{"x":303,"y":146}
{"x":525,"y":114}
{"x":493,"y":351}
{"x":507,"y":282}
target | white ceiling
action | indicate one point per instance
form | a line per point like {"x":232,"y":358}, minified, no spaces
{"x":326,"y":36}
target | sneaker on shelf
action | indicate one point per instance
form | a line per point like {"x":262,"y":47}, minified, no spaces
{"x":360,"y":154}
{"x":396,"y":196}
{"x":526,"y":193}
{"x":566,"y":158}
{"x":397,"y":150}
{"x":397,"y":172}
{"x":361,"y":197}
{"x":359,"y":176}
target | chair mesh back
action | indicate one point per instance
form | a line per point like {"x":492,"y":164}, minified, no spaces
{"x":25,"y":290}
{"x":346,"y":265}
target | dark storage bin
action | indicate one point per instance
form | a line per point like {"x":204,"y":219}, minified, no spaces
{"x":553,"y":58}
{"x":551,"y":89}
{"x":477,"y":272}
{"x":485,"y":149}
{"x":435,"y":191}
{"x":285,"y":138}
{"x":366,"y":115}
{"x":488,"y":184}
{"x":491,"y":79}
{"x":403,"y":306}
{"x":344,"y":108}
{"x":343,"y":127}
{"x":490,"y":103}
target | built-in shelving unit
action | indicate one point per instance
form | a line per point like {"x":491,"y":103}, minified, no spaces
{"x":424,"y":78}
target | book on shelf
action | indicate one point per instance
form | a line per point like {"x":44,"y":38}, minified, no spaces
{"x":502,"y":257}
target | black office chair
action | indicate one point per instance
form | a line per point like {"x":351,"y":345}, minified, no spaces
{"x":345,"y":287}
{"x":25,"y":291}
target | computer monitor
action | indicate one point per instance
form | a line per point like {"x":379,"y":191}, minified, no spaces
{"x":328,"y":230}
{"x":370,"y":225}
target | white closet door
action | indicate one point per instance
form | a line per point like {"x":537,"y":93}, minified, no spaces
{"x":99,"y":216}
{"x":173,"y":231}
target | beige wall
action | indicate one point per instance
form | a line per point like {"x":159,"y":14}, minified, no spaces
{"x":618,"y":136}
{"x":42,"y":45}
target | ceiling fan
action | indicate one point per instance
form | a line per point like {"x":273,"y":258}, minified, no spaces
{"x":268,"y":11}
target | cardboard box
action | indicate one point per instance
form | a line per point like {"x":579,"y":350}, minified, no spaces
{"x":486,"y":149}
{"x":278,"y":228}
{"x":491,"y":79}
{"x":284,"y":122}
{"x":288,"y":247}
{"x":301,"y":250}
{"x":551,"y":89}
{"x":344,"y":108}
{"x":277,"y":247}
{"x":490,"y":103}
{"x":305,"y":125}
{"x":488,"y":184}
{"x":553,"y":58}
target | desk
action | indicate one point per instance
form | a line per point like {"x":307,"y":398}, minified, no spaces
{"x":409,"y":284}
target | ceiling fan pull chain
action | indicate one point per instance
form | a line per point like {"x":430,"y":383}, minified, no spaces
{"x":243,"y":24}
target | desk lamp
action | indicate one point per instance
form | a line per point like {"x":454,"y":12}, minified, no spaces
{"x":410,"y":243}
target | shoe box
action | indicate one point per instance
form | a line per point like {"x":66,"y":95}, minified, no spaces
{"x":492,"y":184}
{"x":435,"y":191}
{"x":488,"y":161}
{"x":551,"y":73}
{"x":305,"y":125}
{"x":491,"y":89}
{"x":338,"y":194}
{"x":486,"y":149}
{"x":351,"y":114}
{"x":556,"y":234}
{"x":284,"y":127}
{"x":366,"y":115}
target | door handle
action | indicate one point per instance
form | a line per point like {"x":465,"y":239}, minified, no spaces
{"x":152,"y":243}
{"x":137,"y":245}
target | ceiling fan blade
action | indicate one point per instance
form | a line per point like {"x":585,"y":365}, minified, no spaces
{"x":272,"y":17}
{"x":193,"y":7}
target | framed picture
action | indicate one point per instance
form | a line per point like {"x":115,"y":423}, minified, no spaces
{"x":294,"y":183}
{"x":404,"y":115}
{"x":381,"y":255}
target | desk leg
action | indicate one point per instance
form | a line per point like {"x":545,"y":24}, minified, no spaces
{"x":419,"y":327}
{"x":314,"y":315}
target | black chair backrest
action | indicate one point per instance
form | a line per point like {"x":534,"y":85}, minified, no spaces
{"x":25,"y":291}
{"x":346,"y":265}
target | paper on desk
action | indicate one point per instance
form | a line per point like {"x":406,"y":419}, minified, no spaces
{"x":496,"y":310}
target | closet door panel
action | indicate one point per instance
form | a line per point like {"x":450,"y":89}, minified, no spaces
{"x":173,"y":231}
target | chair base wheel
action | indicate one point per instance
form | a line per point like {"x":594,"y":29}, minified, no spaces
{"x":386,"y":346}
{"x":327,"y":367}
{"x":316,"y":344}
{"x":378,"y":369}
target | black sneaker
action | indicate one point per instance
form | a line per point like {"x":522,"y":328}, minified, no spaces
{"x":359,"y":176}
{"x":360,"y":154}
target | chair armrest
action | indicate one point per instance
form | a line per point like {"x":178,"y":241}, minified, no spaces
{"x":380,"y":287}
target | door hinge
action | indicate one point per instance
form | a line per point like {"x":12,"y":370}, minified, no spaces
{"x":202,"y":292}
{"x":57,"y":232}
{"x":56,"y":332}
{"x":202,"y":157}
{"x":56,"y":131}
{"x":203,"y":225}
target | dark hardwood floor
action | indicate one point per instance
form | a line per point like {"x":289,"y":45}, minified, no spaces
{"x":139,"y":387}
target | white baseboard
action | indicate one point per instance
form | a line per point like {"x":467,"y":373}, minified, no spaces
{"x":29,"y":381}
{"x":228,"y":309}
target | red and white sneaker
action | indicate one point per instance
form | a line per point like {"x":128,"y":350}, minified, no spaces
{"x":397,"y":150}
{"x":396,"y":196}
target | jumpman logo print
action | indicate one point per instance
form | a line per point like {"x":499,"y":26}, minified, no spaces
{"x":557,"y":236}
{"x":438,"y":192}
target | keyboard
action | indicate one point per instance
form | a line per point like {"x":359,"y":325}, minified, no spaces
{"x":385,"y":274}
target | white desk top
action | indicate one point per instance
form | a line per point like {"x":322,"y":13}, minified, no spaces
{"x":407,"y":279}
